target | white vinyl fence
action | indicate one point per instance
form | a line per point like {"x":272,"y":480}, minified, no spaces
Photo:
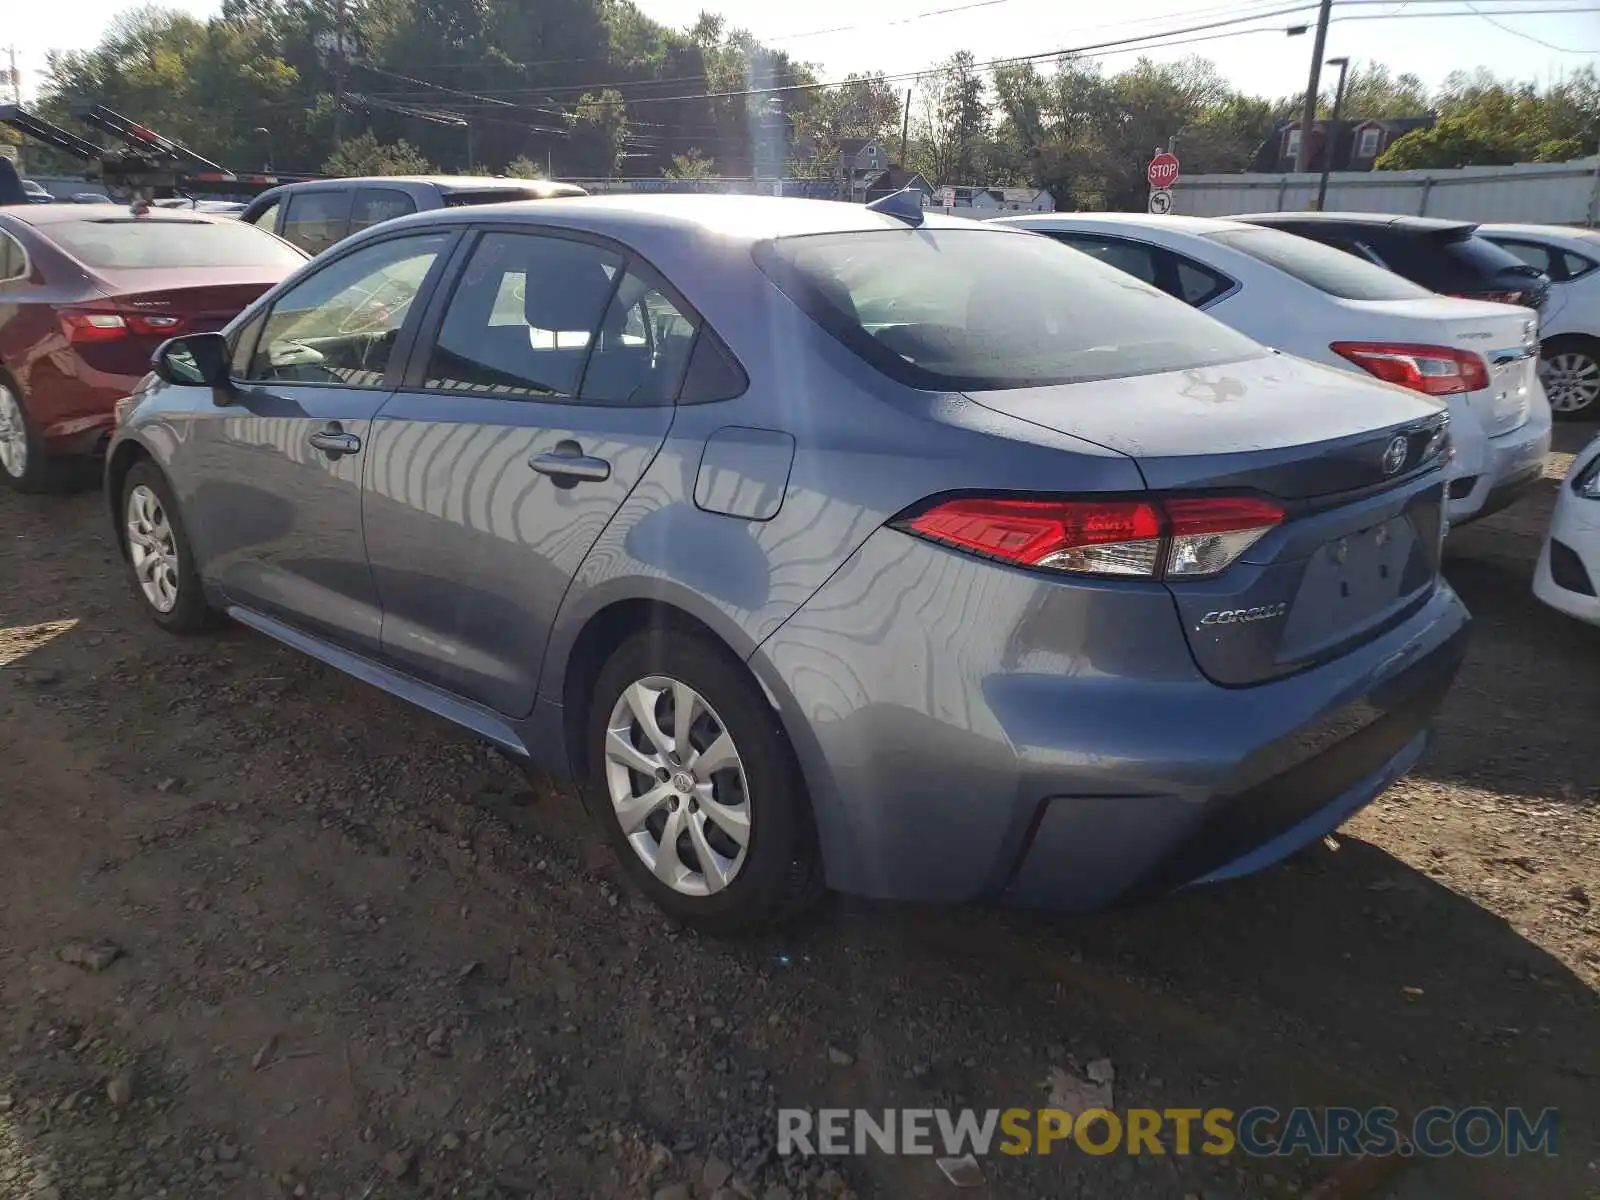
{"x":1541,"y":193}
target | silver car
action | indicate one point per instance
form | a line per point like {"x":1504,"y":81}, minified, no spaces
{"x":917,"y":557}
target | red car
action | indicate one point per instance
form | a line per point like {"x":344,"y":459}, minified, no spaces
{"x":87,"y":292}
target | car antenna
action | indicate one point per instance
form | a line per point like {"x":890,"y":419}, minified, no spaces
{"x":906,"y":204}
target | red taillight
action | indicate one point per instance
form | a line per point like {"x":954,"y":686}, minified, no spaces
{"x":1506,"y":297}
{"x":111,"y":324}
{"x":1145,"y":538}
{"x":1432,"y":370}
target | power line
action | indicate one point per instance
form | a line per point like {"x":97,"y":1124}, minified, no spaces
{"x":939,"y":12}
{"x":1538,"y":41}
{"x":1131,"y":42}
{"x":1096,"y":50}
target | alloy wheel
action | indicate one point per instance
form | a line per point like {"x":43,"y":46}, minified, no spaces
{"x":13,"y":435}
{"x":153,"y":549}
{"x":1571,"y":381}
{"x":677,"y":785}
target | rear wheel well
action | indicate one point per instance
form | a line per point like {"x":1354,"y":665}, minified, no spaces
{"x":1581,"y":341}
{"x":122,"y":461}
{"x":607,"y":630}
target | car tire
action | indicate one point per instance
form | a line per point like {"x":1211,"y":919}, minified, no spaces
{"x":159,"y":560}
{"x":1569,"y":368}
{"x":644,"y":782}
{"x":23,"y":464}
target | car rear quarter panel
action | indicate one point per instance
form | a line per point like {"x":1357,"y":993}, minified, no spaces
{"x":864,"y":449}
{"x":64,"y":395}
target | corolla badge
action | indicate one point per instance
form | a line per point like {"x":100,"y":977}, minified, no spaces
{"x":1244,"y":616}
{"x":1395,"y":456}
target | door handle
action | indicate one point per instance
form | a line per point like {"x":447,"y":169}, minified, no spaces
{"x":567,"y":464}
{"x":334,"y":441}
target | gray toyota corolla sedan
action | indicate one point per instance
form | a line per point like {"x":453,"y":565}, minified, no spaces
{"x":917,"y":557}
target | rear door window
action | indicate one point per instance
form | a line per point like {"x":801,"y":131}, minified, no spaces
{"x":13,"y":262}
{"x":318,"y":219}
{"x":1136,"y":259}
{"x":1533,"y":254}
{"x":267,"y":218}
{"x":1174,"y":274}
{"x":985,"y":308}
{"x":1323,"y":267}
{"x":376,"y":205}
{"x":523,"y":317}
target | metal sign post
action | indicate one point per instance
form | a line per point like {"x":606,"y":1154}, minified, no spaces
{"x":1162,"y":173}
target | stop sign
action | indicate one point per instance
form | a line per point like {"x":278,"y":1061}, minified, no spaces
{"x":1163,"y":170}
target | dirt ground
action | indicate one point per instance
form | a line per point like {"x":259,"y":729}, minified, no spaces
{"x":359,"y":956}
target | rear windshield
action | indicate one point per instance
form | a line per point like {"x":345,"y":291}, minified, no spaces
{"x":495,"y":196}
{"x":1324,"y":268}
{"x":988,"y":309}
{"x":1479,"y":254}
{"x":1453,"y":262}
{"x":130,"y":243}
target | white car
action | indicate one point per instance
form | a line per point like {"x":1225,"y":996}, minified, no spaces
{"x":1569,"y":564}
{"x":1569,"y":325}
{"x":1319,"y":303}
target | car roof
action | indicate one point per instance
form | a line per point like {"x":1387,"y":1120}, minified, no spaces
{"x":1183,"y":224}
{"x":1557,"y":232}
{"x":44,"y":215}
{"x":725,"y":217}
{"x":1390,"y":220}
{"x":444,"y":183}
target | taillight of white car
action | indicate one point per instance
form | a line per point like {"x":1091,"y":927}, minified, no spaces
{"x":1432,"y":370}
{"x":1150,"y":537}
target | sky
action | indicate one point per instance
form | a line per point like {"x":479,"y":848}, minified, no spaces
{"x":908,"y":35}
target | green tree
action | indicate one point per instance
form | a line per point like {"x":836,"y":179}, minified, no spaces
{"x":693,"y":165}
{"x":599,"y":133}
{"x":1484,"y":121}
{"x":523,"y":167}
{"x":364,"y":154}
{"x":1372,"y":90}
{"x":953,"y":123}
{"x":861,"y":106}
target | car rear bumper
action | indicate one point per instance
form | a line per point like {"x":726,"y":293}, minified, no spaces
{"x":1004,"y":736}
{"x":1510,"y":464}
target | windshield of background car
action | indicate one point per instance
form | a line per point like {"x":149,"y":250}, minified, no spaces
{"x":1324,"y":268}
{"x":130,"y":243}
{"x":951,"y":309}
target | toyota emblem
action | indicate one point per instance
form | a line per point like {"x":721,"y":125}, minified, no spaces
{"x":1395,"y":456}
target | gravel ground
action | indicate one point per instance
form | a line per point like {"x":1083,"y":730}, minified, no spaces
{"x":267,"y":932}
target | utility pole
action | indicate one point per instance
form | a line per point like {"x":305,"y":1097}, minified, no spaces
{"x":338,"y":70}
{"x":16,"y":97}
{"x":905,"y":129}
{"x":1308,"y":114}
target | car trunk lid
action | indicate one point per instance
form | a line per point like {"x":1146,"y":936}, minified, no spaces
{"x":1504,"y":336}
{"x":1352,"y":463}
{"x":154,"y":305}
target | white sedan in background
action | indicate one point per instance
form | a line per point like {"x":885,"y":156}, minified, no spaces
{"x":1568,"y":573}
{"x":1319,"y":303}
{"x":1569,"y":325}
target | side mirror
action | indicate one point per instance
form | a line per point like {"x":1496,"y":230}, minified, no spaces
{"x":197,"y":360}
